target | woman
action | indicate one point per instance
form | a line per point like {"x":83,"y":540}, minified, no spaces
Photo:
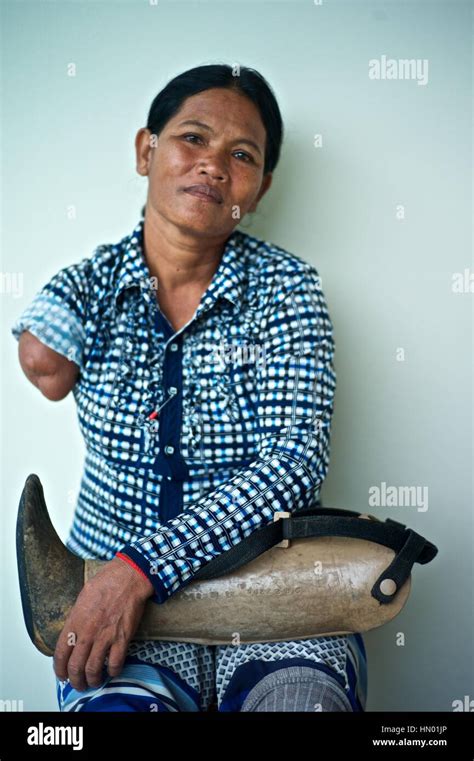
{"x":200,"y":359}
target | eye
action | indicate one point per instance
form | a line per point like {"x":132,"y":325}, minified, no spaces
{"x":190,"y":135}
{"x":247,"y":156}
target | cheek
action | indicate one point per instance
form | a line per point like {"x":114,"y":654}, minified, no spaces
{"x":174,"y":162}
{"x":245,"y":185}
{"x":180,"y":159}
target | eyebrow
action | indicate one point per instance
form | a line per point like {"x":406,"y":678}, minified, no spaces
{"x":206,"y":126}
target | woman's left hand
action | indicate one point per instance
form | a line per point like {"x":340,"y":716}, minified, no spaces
{"x":105,"y":617}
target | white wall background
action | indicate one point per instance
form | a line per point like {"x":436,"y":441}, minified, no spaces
{"x":69,"y":141}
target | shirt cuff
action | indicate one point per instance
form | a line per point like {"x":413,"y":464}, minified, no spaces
{"x":137,"y":561}
{"x":55,"y":325}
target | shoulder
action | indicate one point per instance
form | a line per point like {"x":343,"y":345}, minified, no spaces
{"x":103,"y":267}
{"x":273,"y":265}
{"x":95,"y":275}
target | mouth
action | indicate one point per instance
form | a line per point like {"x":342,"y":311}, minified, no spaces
{"x":205,"y":192}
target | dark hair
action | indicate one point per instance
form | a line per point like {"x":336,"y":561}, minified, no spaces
{"x":246,"y":81}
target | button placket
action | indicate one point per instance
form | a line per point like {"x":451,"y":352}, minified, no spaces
{"x":192,"y":390}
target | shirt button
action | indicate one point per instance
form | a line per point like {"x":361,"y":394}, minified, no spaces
{"x":169,"y":449}
{"x":173,"y":390}
{"x":173,"y":347}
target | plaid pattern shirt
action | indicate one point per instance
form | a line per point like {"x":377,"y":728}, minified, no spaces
{"x":194,"y":438}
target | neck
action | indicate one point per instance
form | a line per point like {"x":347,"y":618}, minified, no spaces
{"x":178,"y":259}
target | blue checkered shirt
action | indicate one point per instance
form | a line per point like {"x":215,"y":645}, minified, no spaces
{"x":196,"y":437}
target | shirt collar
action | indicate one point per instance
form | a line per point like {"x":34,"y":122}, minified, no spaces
{"x":227,"y":281}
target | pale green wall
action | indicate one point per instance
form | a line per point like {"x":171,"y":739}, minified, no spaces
{"x":388,"y":282}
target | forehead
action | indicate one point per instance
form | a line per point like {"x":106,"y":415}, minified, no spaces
{"x":223,"y":110}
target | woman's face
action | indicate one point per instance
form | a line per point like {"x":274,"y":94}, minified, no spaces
{"x":216,"y":153}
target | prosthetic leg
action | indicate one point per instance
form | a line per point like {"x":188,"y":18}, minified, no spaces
{"x":308,"y":589}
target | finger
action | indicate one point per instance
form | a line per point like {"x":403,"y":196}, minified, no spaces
{"x":94,"y":670}
{"x":63,"y":651}
{"x":116,"y":659}
{"x":77,"y":664}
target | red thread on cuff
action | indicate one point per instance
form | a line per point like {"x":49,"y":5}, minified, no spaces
{"x":131,"y":562}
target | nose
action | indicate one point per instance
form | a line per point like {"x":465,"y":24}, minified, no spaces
{"x":215,"y":166}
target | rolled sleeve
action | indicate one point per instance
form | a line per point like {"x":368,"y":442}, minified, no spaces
{"x":296,"y":384}
{"x":57,"y":314}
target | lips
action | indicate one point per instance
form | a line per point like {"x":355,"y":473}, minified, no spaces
{"x":206,"y":191}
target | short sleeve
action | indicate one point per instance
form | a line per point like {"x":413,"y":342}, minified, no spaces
{"x":57,"y":314}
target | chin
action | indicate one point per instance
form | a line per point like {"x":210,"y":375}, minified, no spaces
{"x":197,"y":225}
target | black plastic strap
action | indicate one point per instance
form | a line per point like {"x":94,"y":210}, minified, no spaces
{"x":400,"y":568}
{"x":409,"y":546}
{"x":242,"y":553}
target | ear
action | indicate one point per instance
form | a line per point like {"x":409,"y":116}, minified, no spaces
{"x":266,"y":182}
{"x":143,"y":153}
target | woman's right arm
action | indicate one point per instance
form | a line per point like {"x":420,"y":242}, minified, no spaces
{"x":52,"y":331}
{"x":54,"y":374}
